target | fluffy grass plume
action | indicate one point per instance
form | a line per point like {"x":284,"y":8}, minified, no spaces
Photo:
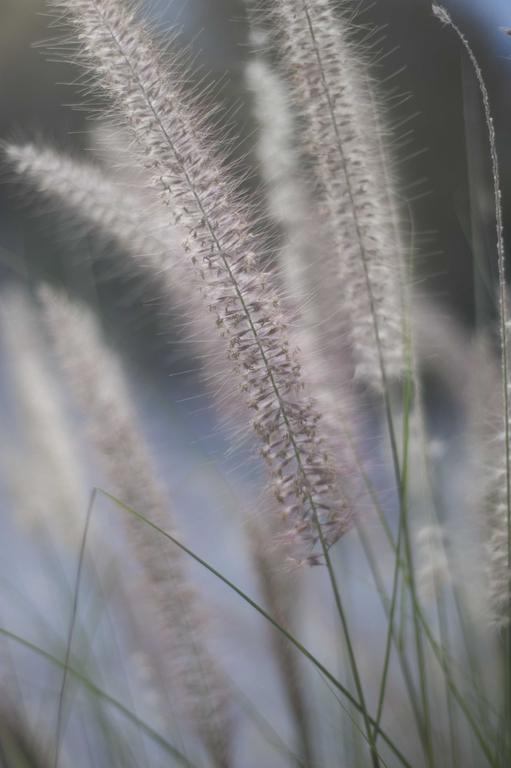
{"x":224,"y":246}
{"x":98,"y":383}
{"x":56,"y":499}
{"x":330,"y":93}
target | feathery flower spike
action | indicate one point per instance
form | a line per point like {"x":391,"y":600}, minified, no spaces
{"x":112,"y":210}
{"x":99,"y":387}
{"x":332,"y":100}
{"x":500,"y":540}
{"x":56,"y":497}
{"x":225,"y":249}
{"x":307,"y":273}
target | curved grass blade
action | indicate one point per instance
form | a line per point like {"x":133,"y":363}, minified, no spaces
{"x":303,"y":650}
{"x":156,"y":737}
{"x":74,"y":612}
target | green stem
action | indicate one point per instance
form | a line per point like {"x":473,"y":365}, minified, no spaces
{"x":395,"y":582}
{"x":429,"y":635}
{"x":303,"y":650}
{"x":440,"y":656}
{"x":371,"y":735}
{"x":388,"y":410}
{"x":443,"y":626}
{"x":444,"y":16}
{"x":418,"y":637}
{"x":385,"y":601}
{"x":266,"y":729}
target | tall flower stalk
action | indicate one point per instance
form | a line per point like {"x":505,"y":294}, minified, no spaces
{"x":119,"y":212}
{"x":500,"y":544}
{"x":54,"y":501}
{"x":331,"y":95}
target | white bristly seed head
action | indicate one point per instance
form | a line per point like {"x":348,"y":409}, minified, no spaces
{"x":55,"y":500}
{"x":330,"y":94}
{"x":99,"y":386}
{"x":226,"y":250}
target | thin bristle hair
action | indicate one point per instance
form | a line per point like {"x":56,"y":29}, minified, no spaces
{"x":85,"y":192}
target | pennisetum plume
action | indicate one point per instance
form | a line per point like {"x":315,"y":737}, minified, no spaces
{"x":488,"y":448}
{"x":117,"y":211}
{"x":98,"y":384}
{"x":56,"y":498}
{"x":288,"y":203}
{"x":127,"y":214}
{"x":332,"y":99}
{"x":307,"y":265}
{"x":226,"y":249}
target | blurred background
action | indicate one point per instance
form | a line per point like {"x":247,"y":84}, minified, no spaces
{"x":445,"y":180}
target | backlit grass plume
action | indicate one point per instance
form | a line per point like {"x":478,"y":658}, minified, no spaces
{"x":495,"y":511}
{"x":130,"y":215}
{"x":223,"y":245}
{"x":85,"y":191}
{"x":499,"y":490}
{"x":488,"y":447}
{"x":307,"y":271}
{"x":330,"y":93}
{"x":98,"y":384}
{"x":55,"y":501}
{"x":288,"y":202}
